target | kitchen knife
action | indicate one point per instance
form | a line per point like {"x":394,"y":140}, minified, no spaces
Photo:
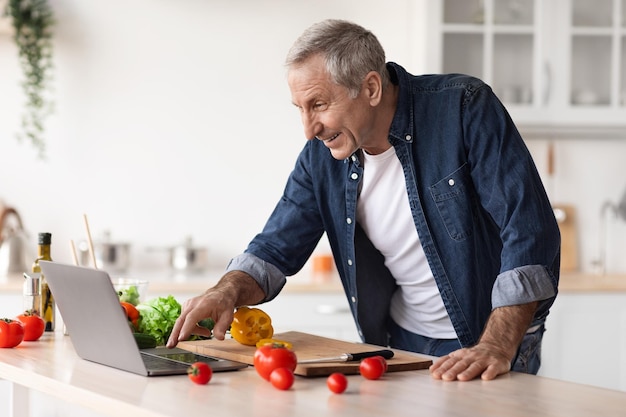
{"x":351,"y":357}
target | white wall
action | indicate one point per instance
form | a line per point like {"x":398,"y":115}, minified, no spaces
{"x":174,"y":119}
{"x":587,"y":173}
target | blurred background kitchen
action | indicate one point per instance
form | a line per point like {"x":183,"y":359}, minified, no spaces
{"x":173,"y":119}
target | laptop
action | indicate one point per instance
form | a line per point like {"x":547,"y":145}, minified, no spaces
{"x":99,"y":330}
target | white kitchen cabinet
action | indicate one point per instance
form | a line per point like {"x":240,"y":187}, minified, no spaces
{"x":585,"y":339}
{"x":552,"y":62}
{"x":322,"y":314}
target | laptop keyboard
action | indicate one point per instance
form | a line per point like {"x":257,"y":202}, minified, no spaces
{"x":156,"y":363}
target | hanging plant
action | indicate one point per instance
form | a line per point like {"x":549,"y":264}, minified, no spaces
{"x":32,"y":21}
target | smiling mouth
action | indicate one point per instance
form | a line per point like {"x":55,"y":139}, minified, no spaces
{"x":330,"y":139}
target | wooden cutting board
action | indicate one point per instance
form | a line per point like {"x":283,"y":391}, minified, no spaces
{"x":308,"y":346}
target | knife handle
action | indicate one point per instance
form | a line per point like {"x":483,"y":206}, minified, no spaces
{"x":385,"y":353}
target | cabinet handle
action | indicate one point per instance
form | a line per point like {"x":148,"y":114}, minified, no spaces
{"x":331,"y":309}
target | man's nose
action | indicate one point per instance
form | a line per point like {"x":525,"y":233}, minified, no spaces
{"x":312,"y":126}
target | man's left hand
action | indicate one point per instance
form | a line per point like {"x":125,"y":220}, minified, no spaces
{"x":469,"y":363}
{"x":495,"y":350}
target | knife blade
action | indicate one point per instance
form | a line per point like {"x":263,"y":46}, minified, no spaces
{"x":351,"y":357}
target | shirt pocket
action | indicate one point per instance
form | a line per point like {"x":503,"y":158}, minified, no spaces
{"x":452,"y":195}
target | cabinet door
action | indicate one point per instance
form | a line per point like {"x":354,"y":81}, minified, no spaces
{"x":550,"y":62}
{"x":495,"y":40}
{"x":595,"y":36}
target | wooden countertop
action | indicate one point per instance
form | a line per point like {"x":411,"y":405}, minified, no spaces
{"x":166,"y":283}
{"x":52,"y":367}
{"x":581,"y":282}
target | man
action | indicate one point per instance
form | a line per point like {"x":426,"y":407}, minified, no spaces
{"x":443,"y":236}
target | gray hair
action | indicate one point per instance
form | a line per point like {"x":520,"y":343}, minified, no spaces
{"x":350,"y":52}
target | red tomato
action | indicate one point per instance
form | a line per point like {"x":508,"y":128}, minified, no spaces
{"x":34,"y":325}
{"x":131,"y":313}
{"x":383,"y":361}
{"x":270,"y":357}
{"x":11,"y":333}
{"x":371,"y":368}
{"x":282,"y":378}
{"x":200,"y":373}
{"x":337,"y":382}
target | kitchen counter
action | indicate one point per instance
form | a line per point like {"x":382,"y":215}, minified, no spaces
{"x":51,"y":366}
{"x":167,"y":282}
{"x":581,"y":282}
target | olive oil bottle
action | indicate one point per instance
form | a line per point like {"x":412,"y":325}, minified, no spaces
{"x":48,"y":307}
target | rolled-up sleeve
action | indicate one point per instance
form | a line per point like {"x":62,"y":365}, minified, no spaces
{"x":269,"y":278}
{"x":523,"y":285}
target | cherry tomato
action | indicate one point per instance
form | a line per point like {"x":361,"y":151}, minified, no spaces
{"x":282,"y":378}
{"x":11,"y":333}
{"x":371,"y":368}
{"x":337,"y":382}
{"x":34,"y":325}
{"x":270,"y":357}
{"x":131,"y":313}
{"x":200,"y":373}
{"x":383,"y":361}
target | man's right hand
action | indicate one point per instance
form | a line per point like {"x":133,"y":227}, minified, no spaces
{"x":218,"y":303}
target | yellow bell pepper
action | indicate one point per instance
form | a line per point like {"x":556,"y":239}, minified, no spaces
{"x":251,"y":325}
{"x":275,"y":343}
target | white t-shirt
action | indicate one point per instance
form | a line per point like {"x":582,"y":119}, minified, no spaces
{"x":384,"y":213}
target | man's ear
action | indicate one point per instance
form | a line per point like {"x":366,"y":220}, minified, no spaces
{"x":373,"y":87}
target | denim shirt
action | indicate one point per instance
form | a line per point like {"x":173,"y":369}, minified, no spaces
{"x":478,"y":203}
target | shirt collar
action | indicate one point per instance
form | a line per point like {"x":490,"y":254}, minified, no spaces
{"x":402,"y":124}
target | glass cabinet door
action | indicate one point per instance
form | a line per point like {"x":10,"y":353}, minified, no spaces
{"x":550,"y":61}
{"x":622,"y":97}
{"x":493,"y":40}
{"x":591,"y":57}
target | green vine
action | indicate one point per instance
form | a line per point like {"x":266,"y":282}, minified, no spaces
{"x":33,"y":21}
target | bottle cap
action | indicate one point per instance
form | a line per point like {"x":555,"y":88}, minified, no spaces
{"x":45,"y":238}
{"x":31,"y":284}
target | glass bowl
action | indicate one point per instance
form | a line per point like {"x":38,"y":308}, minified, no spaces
{"x":131,"y":290}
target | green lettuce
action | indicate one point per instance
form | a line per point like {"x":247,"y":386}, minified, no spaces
{"x":130,"y":295}
{"x":158,"y":316}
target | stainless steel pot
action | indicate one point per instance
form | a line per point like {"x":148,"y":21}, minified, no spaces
{"x":187,"y":257}
{"x":112,"y":257}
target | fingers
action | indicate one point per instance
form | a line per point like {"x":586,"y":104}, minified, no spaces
{"x":186,"y":324}
{"x":183,"y":327}
{"x":173,"y":339}
{"x":222,"y":324}
{"x":199,"y":308}
{"x":467,"y":364}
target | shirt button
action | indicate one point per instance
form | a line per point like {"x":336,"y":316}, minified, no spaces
{"x":407,"y":138}
{"x":350,"y":262}
{"x":353,"y":299}
{"x":353,"y":157}
{"x":451,"y":182}
{"x":349,"y":220}
{"x":354,"y":176}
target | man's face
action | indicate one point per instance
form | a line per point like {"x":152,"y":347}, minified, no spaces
{"x":328,"y":113}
